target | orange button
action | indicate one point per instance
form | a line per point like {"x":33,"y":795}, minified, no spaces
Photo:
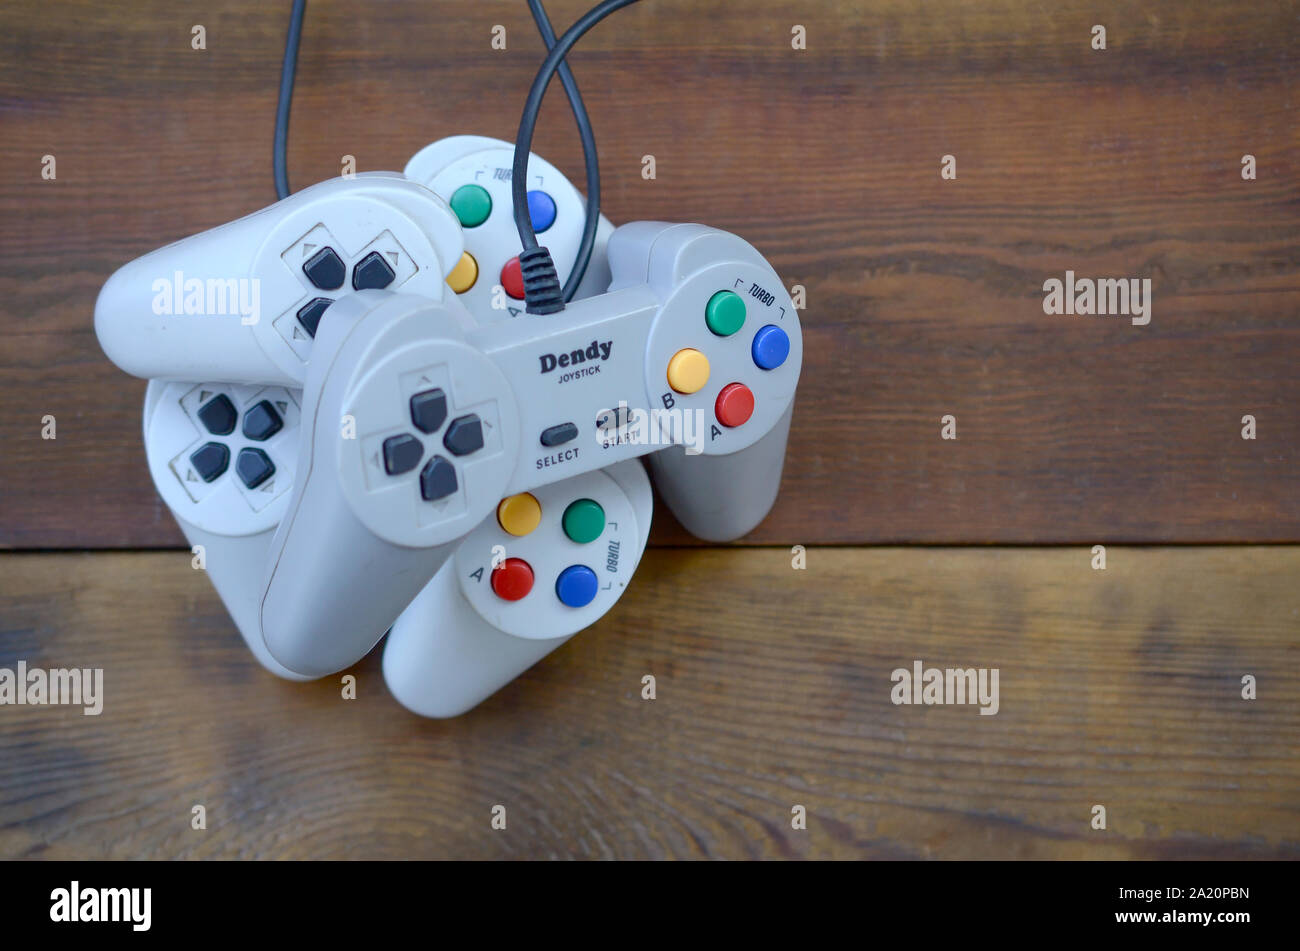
{"x":688,"y":371}
{"x":735,"y":405}
{"x":512,"y":579}
{"x":512,"y":279}
{"x":519,"y":514}
{"x":464,"y":274}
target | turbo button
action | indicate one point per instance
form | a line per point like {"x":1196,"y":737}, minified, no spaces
{"x":472,"y":205}
{"x":584,"y":521}
{"x":541,"y":210}
{"x":725,"y":313}
{"x":576,"y":586}
{"x":770,"y":348}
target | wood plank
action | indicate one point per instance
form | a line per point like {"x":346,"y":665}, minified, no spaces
{"x":924,"y":296}
{"x":1118,"y":687}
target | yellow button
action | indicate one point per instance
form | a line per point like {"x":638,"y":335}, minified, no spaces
{"x":688,"y":371}
{"x":519,"y":514}
{"x":464,"y":274}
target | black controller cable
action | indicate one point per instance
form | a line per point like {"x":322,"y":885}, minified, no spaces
{"x":279,"y":157}
{"x":542,"y":291}
{"x":589,"y":155}
{"x":288,"y":71}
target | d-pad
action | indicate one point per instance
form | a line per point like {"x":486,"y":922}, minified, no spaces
{"x":402,"y":453}
{"x":327,"y":270}
{"x":428,"y":442}
{"x":239,"y":425}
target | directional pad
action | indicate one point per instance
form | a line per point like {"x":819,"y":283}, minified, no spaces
{"x":437,"y":479}
{"x":464,"y":435}
{"x":429,"y":410}
{"x":325,"y":269}
{"x":210,"y":459}
{"x":261,"y":422}
{"x":243,"y":473}
{"x":372,"y":273}
{"x":402,"y":454}
{"x":218,"y":415}
{"x":254,"y":467}
{"x":311,"y":313}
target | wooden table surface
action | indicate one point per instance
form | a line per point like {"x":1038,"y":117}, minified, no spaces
{"x":1119,"y":687}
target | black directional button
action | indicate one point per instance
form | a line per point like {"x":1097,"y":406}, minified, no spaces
{"x":437,"y":479}
{"x":218,"y":415}
{"x":210,"y":460}
{"x":311,"y":313}
{"x":372,"y":272}
{"x":325,"y":269}
{"x":429,"y":410}
{"x":254,"y":467}
{"x":262,"y":422}
{"x":464,"y":435}
{"x":402,"y":454}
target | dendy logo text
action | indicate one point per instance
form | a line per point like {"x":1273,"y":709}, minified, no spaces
{"x":596,"y":351}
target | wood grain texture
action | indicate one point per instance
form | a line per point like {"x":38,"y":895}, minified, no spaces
{"x":924,"y":296}
{"x":1119,"y":687}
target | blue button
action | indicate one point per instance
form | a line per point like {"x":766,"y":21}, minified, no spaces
{"x":576,"y":586}
{"x":541,"y":209}
{"x":771,"y":347}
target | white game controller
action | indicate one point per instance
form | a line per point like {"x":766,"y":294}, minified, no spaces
{"x":549,"y":564}
{"x":414,"y":429}
{"x":473,"y":173}
{"x":352,"y":227}
{"x":447,"y":652}
{"x":243,"y":301}
{"x":222,"y":457}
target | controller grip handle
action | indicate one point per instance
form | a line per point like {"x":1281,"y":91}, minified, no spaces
{"x":141,"y":317}
{"x":234,"y":564}
{"x":442,"y":658}
{"x":721,"y":498}
{"x":334,"y":588}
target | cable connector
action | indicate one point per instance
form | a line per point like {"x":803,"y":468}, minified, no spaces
{"x":542,"y":290}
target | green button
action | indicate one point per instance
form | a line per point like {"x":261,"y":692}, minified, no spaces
{"x":584,"y":521}
{"x":725,"y":313}
{"x":472,"y":205}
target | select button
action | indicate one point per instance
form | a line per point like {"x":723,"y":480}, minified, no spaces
{"x":559,"y":435}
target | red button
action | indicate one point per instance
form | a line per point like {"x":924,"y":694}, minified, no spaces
{"x":735,"y":405}
{"x":512,"y":279}
{"x":512,"y":579}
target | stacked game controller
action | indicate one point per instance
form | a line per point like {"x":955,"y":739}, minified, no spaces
{"x":395,"y":446}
